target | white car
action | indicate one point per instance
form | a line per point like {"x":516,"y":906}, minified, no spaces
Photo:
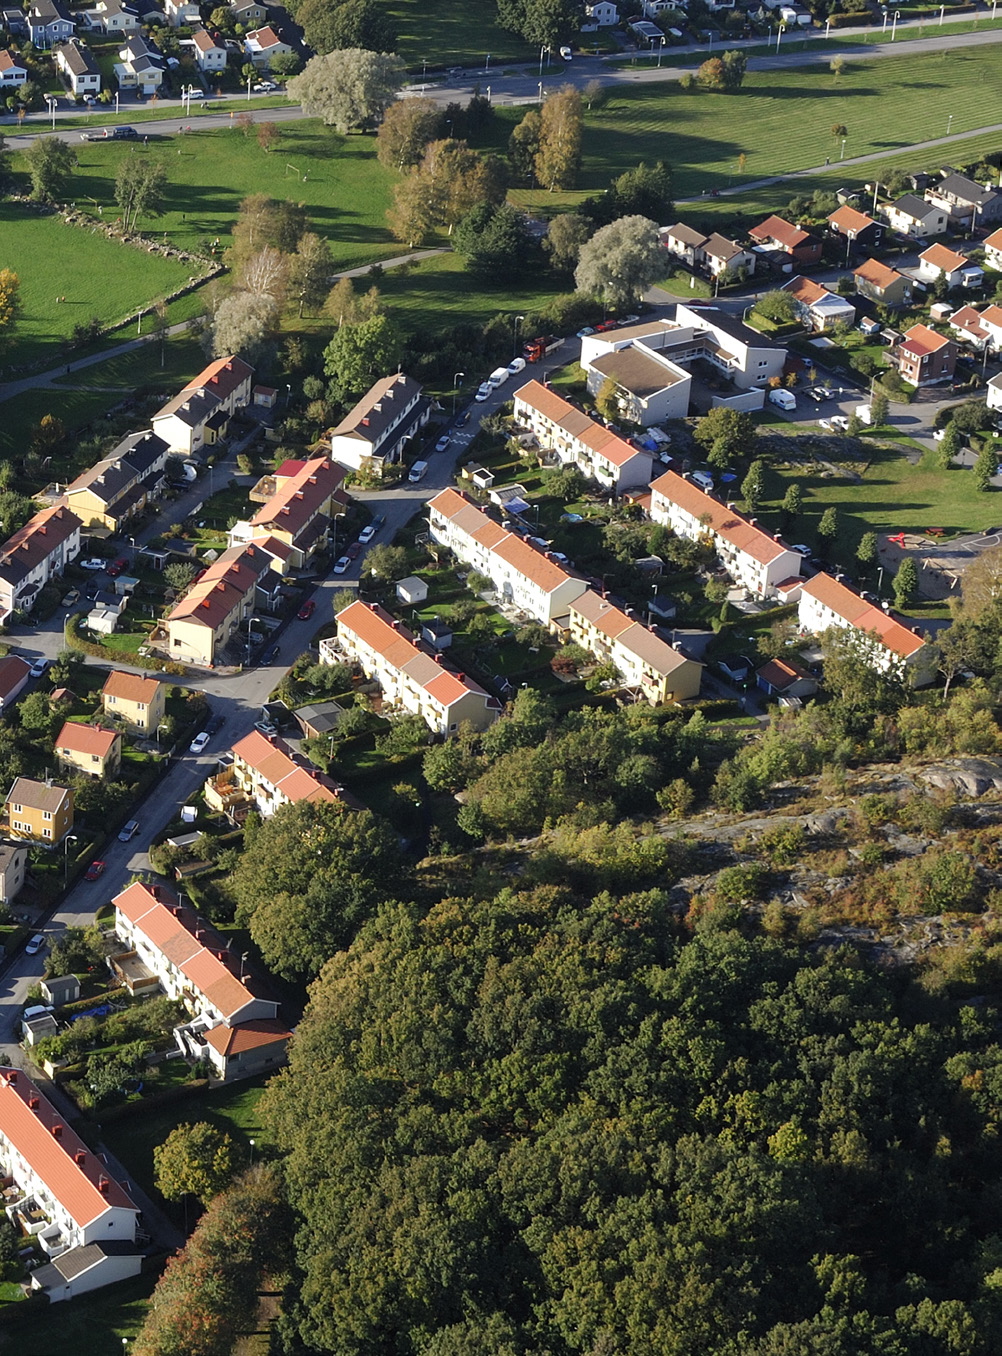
{"x":566,"y":54}
{"x":93,"y":563}
{"x":196,"y":94}
{"x":826,"y":424}
{"x":516,"y":365}
{"x":483,"y":391}
{"x":35,"y":945}
{"x":840,"y":423}
{"x":39,"y":667}
{"x":938,"y":435}
{"x":343,"y":563}
{"x":367,"y":533}
{"x":443,"y":442}
{"x":199,"y":742}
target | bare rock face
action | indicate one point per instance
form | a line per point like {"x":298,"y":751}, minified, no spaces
{"x":971,"y":777}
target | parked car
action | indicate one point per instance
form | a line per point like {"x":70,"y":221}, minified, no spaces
{"x":69,"y":598}
{"x":379,"y":521}
{"x":367,"y":533}
{"x":815,"y":394}
{"x":124,"y":134}
{"x":516,"y":365}
{"x":342,"y":564}
{"x":129,"y":831}
{"x":39,"y":667}
{"x":94,"y":870}
{"x":463,"y":419}
{"x":803,"y":550}
{"x":199,"y":742}
{"x":264,"y":86}
{"x":443,"y":442}
{"x":483,"y":391}
{"x":266,"y":727}
{"x":196,"y":94}
{"x":92,"y":563}
{"x":839,"y":423}
{"x":272,"y":654}
{"x":307,"y":610}
{"x":354,"y":550}
{"x":588,"y":329}
{"x":215,"y":724}
{"x":35,"y":945}
{"x":117,"y":566}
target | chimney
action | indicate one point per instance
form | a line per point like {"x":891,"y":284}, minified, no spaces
{"x":79,"y":1158}
{"x":102,"y":1185}
{"x":461,"y":677}
{"x":33,"y":1102}
{"x":199,"y":935}
{"x":439,"y":659}
{"x":12,"y":1077}
{"x":396,"y":626}
{"x":753,"y":522}
{"x":57,"y":1132}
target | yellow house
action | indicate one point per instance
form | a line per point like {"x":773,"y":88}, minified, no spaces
{"x":114,"y":490}
{"x":39,"y":810}
{"x":645,"y":662}
{"x":298,"y":500}
{"x":89,"y":749}
{"x":209,"y":616}
{"x":134,"y":699}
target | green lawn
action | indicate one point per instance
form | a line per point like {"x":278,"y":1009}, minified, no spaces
{"x":97,"y":277}
{"x":95,"y":1324}
{"x":140,"y":370}
{"x":440,"y":292}
{"x":441,"y":32}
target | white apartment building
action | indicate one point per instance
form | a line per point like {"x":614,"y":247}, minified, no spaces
{"x":754,"y":559}
{"x":409,"y":676}
{"x":197,"y":416}
{"x":523,"y":577}
{"x":597,"y":452}
{"x":825,"y":603}
{"x":376,"y":431}
{"x":35,"y":554}
{"x":643,"y":659}
{"x":83,"y":1218}
{"x":269,"y":774}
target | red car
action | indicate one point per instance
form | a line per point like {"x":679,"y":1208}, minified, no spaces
{"x":117,"y":566}
{"x":307,"y":610}
{"x":93,"y":871}
{"x":354,"y":550}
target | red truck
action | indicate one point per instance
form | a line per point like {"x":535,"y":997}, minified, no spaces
{"x":537,"y":349}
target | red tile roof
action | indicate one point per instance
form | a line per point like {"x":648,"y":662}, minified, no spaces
{"x":72,"y":1173}
{"x":298,"y":498}
{"x":920,"y":339}
{"x":781,"y":674}
{"x":847,"y":219}
{"x":873,"y":271}
{"x":507,"y":546}
{"x":938,"y":256}
{"x":40,"y":536}
{"x":222,"y":377}
{"x":635,"y":638}
{"x":725,"y":522}
{"x":783,"y":232}
{"x":87,"y":739}
{"x":272,"y":759}
{"x":805,"y":290}
{"x":13,"y":670}
{"x":130,"y":687}
{"x":236,"y":1040}
{"x":576,"y":423}
{"x":994,"y":240}
{"x":857,"y":612}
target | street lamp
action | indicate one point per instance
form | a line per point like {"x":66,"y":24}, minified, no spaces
{"x":52,"y":110}
{"x":942,"y":11}
{"x":116,"y":100}
{"x":884,"y":12}
{"x":541,"y":51}
{"x":779,"y":34}
{"x":249,"y":79}
{"x":252,"y":1152}
{"x":70,"y":838}
{"x":514,"y":337}
{"x":828,"y":27}
{"x":455,"y":390}
{"x":949,"y":122}
{"x":540,"y":91}
{"x":842,"y":156}
{"x":661,"y":50}
{"x":894,"y":25}
{"x":250,"y":620}
{"x":487,"y":64}
{"x":162,"y":726}
{"x":424,"y":72}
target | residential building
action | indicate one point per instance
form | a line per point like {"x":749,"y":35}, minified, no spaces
{"x":208,"y":618}
{"x":826,"y":604}
{"x":776,"y":237}
{"x":250,"y":13}
{"x":182,"y":13}
{"x":993,"y":250}
{"x":13,"y":869}
{"x":642,"y":657}
{"x":114,"y":16}
{"x":859,"y":230}
{"x":295,"y":517}
{"x":36,"y":553}
{"x":49,"y":22}
{"x":12,"y":72}
{"x":266,"y":774}
{"x":993,"y":392}
{"x":969,"y":204}
{"x":79,"y":67}
{"x":784,"y":679}
{"x":199,"y":414}
{"x":990,"y":321}
{"x":37,"y":810}
{"x":14,"y":674}
{"x":925,"y":357}
{"x":915,"y":218}
{"x":939,"y":262}
{"x":409,"y":676}
{"x":595,"y":450}
{"x":745,"y":357}
{"x":88,"y":749}
{"x":172,"y":943}
{"x":141,"y":65}
{"x":67,"y":1198}
{"x":726,"y":258}
{"x":376,"y":431}
{"x":134,"y":699}
{"x":882,"y":284}
{"x":752,"y":557}
{"x":818,"y":308}
{"x":120,"y":486}
{"x":603,"y":14}
{"x":685,"y":242}
{"x":14,"y":19}
{"x":966,"y":325}
{"x":209,"y":55}
{"x":523,"y":577}
{"x":263,"y":45}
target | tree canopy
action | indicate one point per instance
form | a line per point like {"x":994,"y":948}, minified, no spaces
{"x":620,"y":260}
{"x":349,"y":88}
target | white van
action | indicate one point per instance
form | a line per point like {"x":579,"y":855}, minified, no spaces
{"x":786,"y":400}
{"x":498,"y":377}
{"x":703,"y":479}
{"x":864,"y":414}
{"x":418,"y":472}
{"x":566,"y":53}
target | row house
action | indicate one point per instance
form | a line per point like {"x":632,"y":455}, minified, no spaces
{"x":859,"y":230}
{"x":65,"y":1196}
{"x":408,"y":675}
{"x":264,"y":775}
{"x":578,"y":440}
{"x":968,"y":203}
{"x":36,"y":553}
{"x":136,"y":700}
{"x":233,"y":1028}
{"x":209,"y":616}
{"x":714,"y":253}
{"x":299,"y":504}
{"x":375,"y":432}
{"x":880,"y":283}
{"x":200,"y":413}
{"x":925,"y":357}
{"x":825,"y":604}
{"x":78,"y":66}
{"x":39,"y":811}
{"x":121,"y":485}
{"x":777,"y":237}
{"x":523,"y":577}
{"x":642,"y":657}
{"x":757,"y":561}
{"x":939,"y":262}
{"x":89,"y":749}
{"x":817,"y":307}
{"x":915,"y":218}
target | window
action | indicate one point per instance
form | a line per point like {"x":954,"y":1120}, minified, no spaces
{"x":47,"y":815}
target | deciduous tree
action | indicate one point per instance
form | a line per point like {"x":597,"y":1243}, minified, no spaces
{"x":407,"y":128}
{"x":11,"y":305}
{"x":621,"y":260}
{"x":733,"y":429}
{"x":350,"y":88}
{"x":559,"y":156}
{"x":49,"y":164}
{"x":567,"y":233}
{"x":359,"y":354}
{"x":243,"y":323}
{"x":310,"y":270}
{"x":348,"y":24}
{"x":140,"y":188}
{"x":268,"y":135}
{"x":986,"y":467}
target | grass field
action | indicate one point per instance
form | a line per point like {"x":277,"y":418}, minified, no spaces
{"x":97,"y":277}
{"x":439,"y":292}
{"x":95,"y":1324}
{"x":441,"y":32}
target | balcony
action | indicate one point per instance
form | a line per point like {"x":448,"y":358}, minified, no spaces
{"x":224,"y":794}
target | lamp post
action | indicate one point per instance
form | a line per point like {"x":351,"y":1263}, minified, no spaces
{"x":252,"y":1152}
{"x":487,"y":64}
{"x":842,"y":156}
{"x":455,"y":390}
{"x":424,"y":72}
{"x":779,"y":34}
{"x":942,"y":11}
{"x":884,"y":12}
{"x":116,"y":100}
{"x":249,"y":79}
{"x":894,"y":25}
{"x":949,"y":123}
{"x":70,"y":838}
{"x":828,"y":27}
{"x":514,"y":335}
{"x":540,"y":91}
{"x":250,"y":621}
{"x":541,"y":51}
{"x":661,"y":50}
{"x":52,"y":110}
